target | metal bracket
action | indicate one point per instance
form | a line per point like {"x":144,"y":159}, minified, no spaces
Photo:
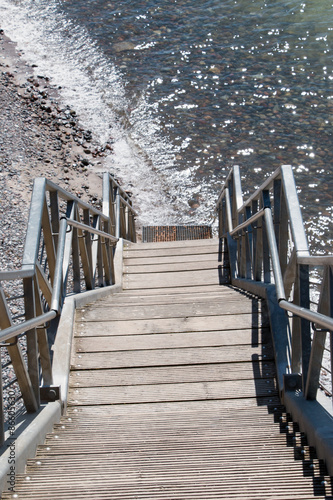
{"x":49,"y":394}
{"x":9,"y":344}
{"x":319,"y":330}
{"x":292,"y":382}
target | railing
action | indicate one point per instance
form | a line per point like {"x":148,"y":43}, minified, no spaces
{"x":118,"y":206}
{"x":69,"y":248}
{"x":269,"y":256}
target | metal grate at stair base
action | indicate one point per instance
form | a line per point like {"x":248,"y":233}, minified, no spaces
{"x":152,"y":234}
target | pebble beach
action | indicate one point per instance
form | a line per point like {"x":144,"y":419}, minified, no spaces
{"x":38,"y":138}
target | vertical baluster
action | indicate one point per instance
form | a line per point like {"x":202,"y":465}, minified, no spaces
{"x":305,"y":324}
{"x":221,"y":216}
{"x":122,"y":221}
{"x":43,"y":346}
{"x":277,"y":188}
{"x":254,"y":247}
{"x":118,"y":215}
{"x":283,"y":233}
{"x":54,"y":208}
{"x":31,"y":336}
{"x":248,"y":248}
{"x":265,"y":246}
{"x":126,"y":217}
{"x":132,"y":226}
{"x":76,"y":261}
{"x":48,"y":240}
{"x":258,"y":245}
{"x":87,"y":237}
{"x":242,"y":252}
{"x":301,"y":336}
{"x":325,"y":306}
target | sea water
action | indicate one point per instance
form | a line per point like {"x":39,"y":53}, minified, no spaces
{"x":185,"y":89}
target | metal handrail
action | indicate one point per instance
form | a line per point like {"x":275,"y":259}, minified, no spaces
{"x":56,"y":306}
{"x":91,"y":230}
{"x":269,"y":256}
{"x":117,"y":205}
{"x":320,"y":319}
{"x":16,"y":330}
{"x":67,"y":234}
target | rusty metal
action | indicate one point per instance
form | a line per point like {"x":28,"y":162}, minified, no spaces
{"x":152,"y":234}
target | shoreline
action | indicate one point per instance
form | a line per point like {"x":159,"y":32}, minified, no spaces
{"x":39,"y":137}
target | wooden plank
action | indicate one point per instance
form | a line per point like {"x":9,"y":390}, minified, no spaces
{"x":160,"y":252}
{"x":200,"y":288}
{"x":171,"y":267}
{"x":166,"y":325}
{"x":182,"y":414}
{"x":134,"y":261}
{"x":162,"y":374}
{"x":170,"y":357}
{"x":182,"y":278}
{"x":169,"y":340}
{"x":178,"y":296}
{"x":114,"y":312}
{"x":190,"y":244}
{"x":171,"y":392}
{"x":171,"y":410}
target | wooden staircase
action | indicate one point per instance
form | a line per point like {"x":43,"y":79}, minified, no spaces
{"x":173,"y":395}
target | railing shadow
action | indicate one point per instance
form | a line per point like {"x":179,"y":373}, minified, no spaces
{"x":223,"y":268}
{"x":264,"y":374}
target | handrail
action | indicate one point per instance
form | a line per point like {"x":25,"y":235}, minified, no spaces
{"x":69,"y":247}
{"x":52,"y":187}
{"x":269,"y":256}
{"x":248,"y":222}
{"x":14,"y":331}
{"x":320,"y":319}
{"x":91,"y":230}
{"x":117,"y":205}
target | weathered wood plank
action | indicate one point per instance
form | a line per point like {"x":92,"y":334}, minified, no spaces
{"x":114,"y":312}
{"x":182,"y":278}
{"x":166,"y":296}
{"x":134,"y":261}
{"x":175,"y":290}
{"x":169,"y":340}
{"x":190,"y":244}
{"x":170,"y":357}
{"x":172,"y":267}
{"x":166,"y":325}
{"x":162,"y":374}
{"x":172,"y":392}
{"x":171,"y":415}
{"x":160,"y":252}
{"x":184,"y":410}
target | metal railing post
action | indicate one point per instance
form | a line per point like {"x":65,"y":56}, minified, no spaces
{"x":118,"y":215}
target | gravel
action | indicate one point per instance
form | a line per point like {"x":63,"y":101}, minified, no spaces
{"x":39,"y":136}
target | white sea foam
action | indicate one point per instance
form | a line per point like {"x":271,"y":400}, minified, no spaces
{"x":94,"y":87}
